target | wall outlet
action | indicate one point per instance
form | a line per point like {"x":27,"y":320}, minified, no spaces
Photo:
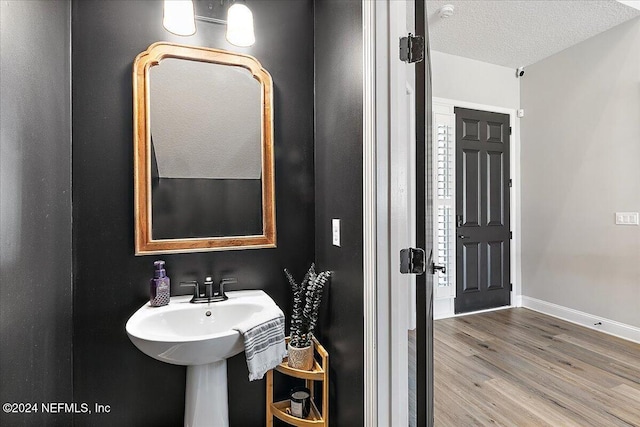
{"x":335,"y":231}
{"x":627,"y":218}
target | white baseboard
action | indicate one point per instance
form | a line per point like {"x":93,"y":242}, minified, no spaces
{"x":607,"y":326}
{"x":442,"y":308}
{"x":517,"y":301}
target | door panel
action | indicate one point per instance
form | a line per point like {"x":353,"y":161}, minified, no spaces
{"x":471,"y":261}
{"x":495,"y":273}
{"x":470,"y":130}
{"x":482,"y":209}
{"x":495,"y":186}
{"x":495,"y":132}
{"x":471,"y":195}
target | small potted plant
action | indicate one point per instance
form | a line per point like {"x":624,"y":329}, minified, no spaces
{"x":306,"y":302}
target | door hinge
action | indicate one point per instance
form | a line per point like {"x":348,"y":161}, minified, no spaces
{"x":510,"y":235}
{"x":412,"y":261}
{"x":510,"y":286}
{"x":510,"y":182}
{"x":412,"y":48}
{"x":510,"y":130}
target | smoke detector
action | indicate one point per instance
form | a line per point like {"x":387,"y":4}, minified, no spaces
{"x":446,"y":11}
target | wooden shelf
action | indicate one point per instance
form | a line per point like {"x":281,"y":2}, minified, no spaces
{"x":318,"y":373}
{"x":279,"y":410}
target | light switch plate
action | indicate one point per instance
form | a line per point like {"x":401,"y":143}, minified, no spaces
{"x":335,"y":231}
{"x":627,"y":218}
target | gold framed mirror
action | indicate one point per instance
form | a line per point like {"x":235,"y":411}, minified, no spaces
{"x":203,"y":151}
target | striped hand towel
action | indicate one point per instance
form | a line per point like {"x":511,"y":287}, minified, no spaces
{"x":264,"y":346}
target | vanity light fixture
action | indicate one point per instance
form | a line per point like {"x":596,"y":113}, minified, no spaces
{"x":179,"y":17}
{"x":240,"y":25}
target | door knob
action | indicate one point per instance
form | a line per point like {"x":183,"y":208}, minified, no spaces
{"x":435,"y":268}
{"x":463,"y":237}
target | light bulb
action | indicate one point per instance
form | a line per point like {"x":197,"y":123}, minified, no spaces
{"x":240,"y":25}
{"x":179,"y":17}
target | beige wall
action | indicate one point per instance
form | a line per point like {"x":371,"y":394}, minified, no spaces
{"x":580,"y":159}
{"x":464,"y":79}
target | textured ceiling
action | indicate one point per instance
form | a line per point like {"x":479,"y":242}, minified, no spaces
{"x":517,"y":33}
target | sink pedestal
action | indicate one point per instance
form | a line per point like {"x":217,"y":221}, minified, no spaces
{"x":206,"y":395}
{"x":200,"y":337}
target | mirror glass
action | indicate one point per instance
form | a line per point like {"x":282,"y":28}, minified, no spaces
{"x":203,"y":150}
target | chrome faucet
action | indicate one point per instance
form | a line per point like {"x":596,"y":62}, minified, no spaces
{"x":208,"y":296}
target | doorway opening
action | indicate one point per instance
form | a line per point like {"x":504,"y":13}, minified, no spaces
{"x":477,"y":263}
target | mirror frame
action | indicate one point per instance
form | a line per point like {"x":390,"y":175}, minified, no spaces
{"x":144,"y":243}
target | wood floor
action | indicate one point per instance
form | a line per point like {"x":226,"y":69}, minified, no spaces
{"x":516,"y":367}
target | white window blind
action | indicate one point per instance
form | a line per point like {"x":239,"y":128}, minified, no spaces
{"x":444,"y":202}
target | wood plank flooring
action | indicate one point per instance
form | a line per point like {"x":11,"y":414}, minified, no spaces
{"x":517,"y":367}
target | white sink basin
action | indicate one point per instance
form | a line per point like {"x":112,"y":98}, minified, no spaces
{"x":202,"y":337}
{"x":182,"y":333}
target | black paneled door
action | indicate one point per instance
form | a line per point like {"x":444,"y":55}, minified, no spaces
{"x":482,"y":210}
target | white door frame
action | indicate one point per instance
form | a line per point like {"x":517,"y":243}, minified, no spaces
{"x":373,"y":101}
{"x":515,"y":207}
{"x":384,"y":404}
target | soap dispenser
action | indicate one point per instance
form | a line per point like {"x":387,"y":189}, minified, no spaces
{"x":159,"y":288}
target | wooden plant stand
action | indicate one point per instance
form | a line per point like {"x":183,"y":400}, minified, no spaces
{"x":320,"y":372}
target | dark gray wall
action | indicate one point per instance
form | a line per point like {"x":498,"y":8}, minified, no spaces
{"x":35,"y":209}
{"x":338,"y":178}
{"x":110,"y":282}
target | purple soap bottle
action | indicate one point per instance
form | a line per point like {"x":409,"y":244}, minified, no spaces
{"x":159,"y":288}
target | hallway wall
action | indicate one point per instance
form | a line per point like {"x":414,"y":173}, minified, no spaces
{"x":580,"y":153}
{"x":464,"y":79}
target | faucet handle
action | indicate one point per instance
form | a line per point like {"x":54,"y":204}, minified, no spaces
{"x":226,"y":281}
{"x":196,"y":287}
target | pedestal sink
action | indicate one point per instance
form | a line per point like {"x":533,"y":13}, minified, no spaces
{"x":200,"y":336}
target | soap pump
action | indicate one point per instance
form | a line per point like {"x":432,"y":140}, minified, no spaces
{"x":159,"y":287}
